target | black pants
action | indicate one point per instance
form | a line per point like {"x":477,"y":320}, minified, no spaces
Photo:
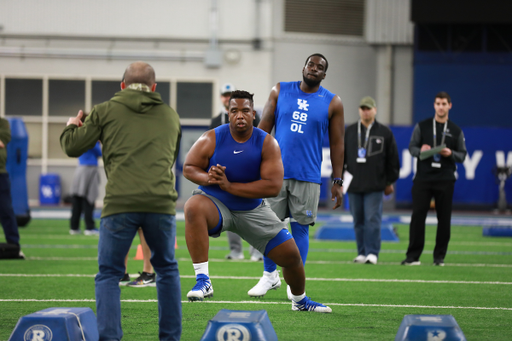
{"x":422,"y":194}
{"x":7,"y":216}
{"x":81,"y":204}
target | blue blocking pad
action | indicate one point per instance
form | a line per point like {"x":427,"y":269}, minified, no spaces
{"x":497,"y":231}
{"x":57,"y":324}
{"x":429,"y":328}
{"x":240,"y":325}
{"x":345,"y":231}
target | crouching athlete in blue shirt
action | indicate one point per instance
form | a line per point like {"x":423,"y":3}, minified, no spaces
{"x":235,"y":166}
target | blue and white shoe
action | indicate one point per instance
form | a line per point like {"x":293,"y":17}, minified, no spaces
{"x":306,"y":304}
{"x":202,"y":289}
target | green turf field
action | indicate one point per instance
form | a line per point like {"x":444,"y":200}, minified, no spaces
{"x":368,"y":301}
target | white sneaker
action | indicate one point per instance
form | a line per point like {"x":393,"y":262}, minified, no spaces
{"x":360,"y":259}
{"x":201,"y":290}
{"x":235,"y":255}
{"x":93,"y":232}
{"x":306,"y":304}
{"x":371,"y":259}
{"x":289,"y":293}
{"x":269,"y":281}
{"x":256,"y":258}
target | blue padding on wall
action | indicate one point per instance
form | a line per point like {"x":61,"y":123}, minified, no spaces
{"x":345,"y":231}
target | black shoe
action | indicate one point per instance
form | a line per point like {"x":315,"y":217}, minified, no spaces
{"x":144,"y":280}
{"x":410,"y":262}
{"x":123,"y":281}
{"x":439,"y":262}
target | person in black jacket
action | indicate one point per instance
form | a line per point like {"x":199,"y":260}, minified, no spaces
{"x":371,"y":157}
{"x":435,"y":178}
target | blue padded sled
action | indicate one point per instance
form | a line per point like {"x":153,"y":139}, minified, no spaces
{"x":240,"y":325}
{"x":345,"y":231}
{"x":497,"y":231}
{"x":429,"y":327}
{"x":58,"y":324}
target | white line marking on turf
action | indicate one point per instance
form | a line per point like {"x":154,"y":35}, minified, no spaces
{"x":95,"y":246}
{"x":271,"y":303}
{"x":221,"y":260}
{"x":308,"y":279}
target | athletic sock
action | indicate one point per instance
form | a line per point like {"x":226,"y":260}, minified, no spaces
{"x":270,"y":274}
{"x":201,"y":269}
{"x":301,"y":235}
{"x":298,"y":298}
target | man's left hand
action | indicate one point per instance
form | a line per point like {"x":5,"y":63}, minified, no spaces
{"x":2,"y":145}
{"x":217,"y":176}
{"x":76,"y":120}
{"x":446,"y":152}
{"x":337,"y":194}
{"x":389,"y":189}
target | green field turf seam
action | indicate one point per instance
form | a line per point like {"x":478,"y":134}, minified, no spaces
{"x":307,"y":279}
{"x":271,"y":303}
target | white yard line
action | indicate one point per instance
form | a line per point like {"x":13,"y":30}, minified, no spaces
{"x":392,"y":280}
{"x":273,"y":303}
{"x":221,"y":260}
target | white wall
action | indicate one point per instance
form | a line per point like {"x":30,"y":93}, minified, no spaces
{"x":134,"y":18}
{"x":75,"y":38}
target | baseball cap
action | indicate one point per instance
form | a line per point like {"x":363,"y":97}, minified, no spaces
{"x":227,"y":88}
{"x":368,"y":102}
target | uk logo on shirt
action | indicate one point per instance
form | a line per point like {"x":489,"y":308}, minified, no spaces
{"x":303,"y":104}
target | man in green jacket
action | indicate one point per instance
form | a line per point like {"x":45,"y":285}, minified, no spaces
{"x":7,"y":216}
{"x":140,"y":135}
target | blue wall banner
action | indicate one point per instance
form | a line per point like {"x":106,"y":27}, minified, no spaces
{"x":476,"y":185}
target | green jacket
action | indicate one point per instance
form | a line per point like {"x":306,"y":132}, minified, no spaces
{"x":5,"y":137}
{"x":141,"y":137}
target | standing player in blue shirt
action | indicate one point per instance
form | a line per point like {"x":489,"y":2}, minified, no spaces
{"x":302,"y":112}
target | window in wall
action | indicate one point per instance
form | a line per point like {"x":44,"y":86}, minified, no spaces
{"x":23,"y":97}
{"x":164,"y":89}
{"x":103,"y":91}
{"x":466,"y":38}
{"x":432,"y":37}
{"x":34,"y":131}
{"x":66,"y":97}
{"x":194,"y":100}
{"x":499,"y":38}
{"x":54,"y":148}
{"x":344,"y":17}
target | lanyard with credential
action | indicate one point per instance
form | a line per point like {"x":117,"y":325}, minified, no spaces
{"x":435,"y":132}
{"x":359,"y":135}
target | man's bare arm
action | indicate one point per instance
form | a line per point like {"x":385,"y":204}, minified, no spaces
{"x":198,"y":159}
{"x":268,"y":116}
{"x":337,"y":145}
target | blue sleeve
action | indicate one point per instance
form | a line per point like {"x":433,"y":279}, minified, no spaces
{"x":97,"y":149}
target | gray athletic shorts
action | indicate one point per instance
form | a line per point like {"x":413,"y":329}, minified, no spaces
{"x":298,"y":199}
{"x":257,"y":226}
